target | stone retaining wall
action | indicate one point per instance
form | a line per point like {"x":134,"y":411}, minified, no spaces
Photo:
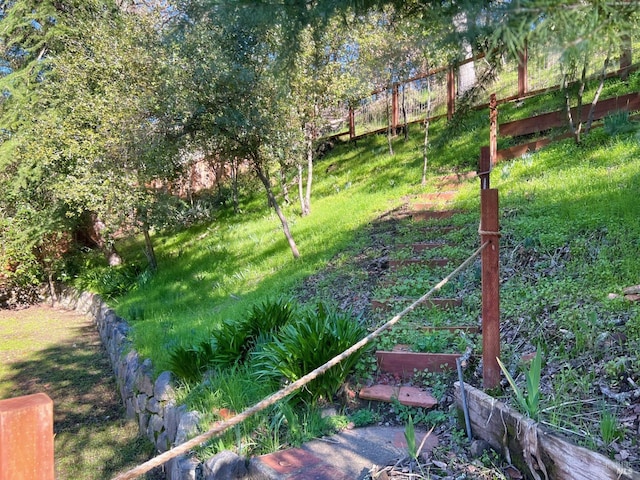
{"x":150,"y":402}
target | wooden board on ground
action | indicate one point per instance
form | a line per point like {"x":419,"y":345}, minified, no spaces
{"x":531,"y":448}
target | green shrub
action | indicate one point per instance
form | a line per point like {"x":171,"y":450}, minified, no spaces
{"x":112,"y":281}
{"x":308,"y":343}
{"x":619,"y":122}
{"x":364,"y":417}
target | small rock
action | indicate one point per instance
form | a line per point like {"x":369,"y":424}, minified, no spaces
{"x":512,"y":473}
{"x":328,"y":412}
{"x":439,"y":464}
{"x":225,"y":466}
{"x":479,"y":447}
{"x":632,"y":297}
{"x":633,"y":290}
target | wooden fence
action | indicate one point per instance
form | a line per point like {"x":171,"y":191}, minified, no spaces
{"x":533,"y":72}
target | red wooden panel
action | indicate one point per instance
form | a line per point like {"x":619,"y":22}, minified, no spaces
{"x":405,"y":364}
{"x":26,"y":438}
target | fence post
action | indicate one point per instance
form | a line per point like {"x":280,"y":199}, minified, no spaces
{"x":523,"y":86}
{"x":394,"y":108}
{"x":484,"y":167}
{"x":489,"y":232}
{"x":352,"y":124}
{"x":26,"y":438}
{"x":493,"y":129}
{"x":451,"y":92}
{"x":626,"y":57}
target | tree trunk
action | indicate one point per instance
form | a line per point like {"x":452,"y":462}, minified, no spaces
{"x":104,"y":243}
{"x":272,"y":201}
{"x":307,"y":197}
{"x":567,"y":105}
{"x":234,"y":184}
{"x":583,"y":81}
{"x":389,"y":129}
{"x":283,"y":184}
{"x":148,"y":249}
{"x":404,"y":114}
{"x":592,"y":110}
{"x":466,"y":72}
{"x":303,"y":206}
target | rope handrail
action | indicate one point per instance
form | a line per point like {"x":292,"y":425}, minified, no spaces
{"x":289,"y":389}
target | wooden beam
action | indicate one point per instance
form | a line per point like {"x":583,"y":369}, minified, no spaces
{"x":405,"y":364}
{"x":547,"y":121}
{"x":489,"y":232}
{"x":511,"y":434}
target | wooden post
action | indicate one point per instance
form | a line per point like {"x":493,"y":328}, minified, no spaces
{"x":451,"y":92}
{"x":489,"y":232}
{"x":522,"y":72}
{"x":394,"y":108}
{"x":26,"y":438}
{"x":484,"y":167}
{"x":352,"y":124}
{"x":626,"y":57}
{"x":493,"y":129}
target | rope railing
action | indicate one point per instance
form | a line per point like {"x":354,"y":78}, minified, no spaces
{"x":289,"y":389}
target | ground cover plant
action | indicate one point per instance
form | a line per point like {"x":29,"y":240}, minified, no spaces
{"x":569,"y":225}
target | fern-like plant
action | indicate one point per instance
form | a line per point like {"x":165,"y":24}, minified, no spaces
{"x":190,"y":363}
{"x":233,"y":341}
{"x":307,"y":344}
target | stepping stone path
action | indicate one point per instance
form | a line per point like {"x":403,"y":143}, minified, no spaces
{"x":348,"y":455}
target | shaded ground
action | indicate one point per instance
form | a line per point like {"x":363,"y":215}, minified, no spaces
{"x":59,"y":353}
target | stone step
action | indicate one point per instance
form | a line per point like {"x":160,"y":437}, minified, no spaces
{"x":441,"y":196}
{"x":409,"y":396}
{"x":348,"y":454}
{"x":434,"y":214}
{"x":443,"y":230}
{"x":449,"y":328}
{"x":420,"y":247}
{"x":446,"y":182}
{"x":295,"y":464}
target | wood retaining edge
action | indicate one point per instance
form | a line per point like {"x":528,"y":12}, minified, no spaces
{"x":513,"y":435}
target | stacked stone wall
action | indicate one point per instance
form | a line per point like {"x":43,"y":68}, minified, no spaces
{"x":148,"y":401}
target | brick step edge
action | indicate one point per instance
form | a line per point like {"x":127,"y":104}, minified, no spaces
{"x":406,"y":364}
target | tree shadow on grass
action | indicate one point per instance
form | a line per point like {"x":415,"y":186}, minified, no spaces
{"x":92,"y":438}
